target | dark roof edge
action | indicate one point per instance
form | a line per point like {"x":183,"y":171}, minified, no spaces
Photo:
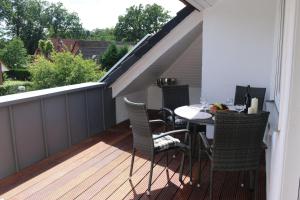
{"x":143,"y":47}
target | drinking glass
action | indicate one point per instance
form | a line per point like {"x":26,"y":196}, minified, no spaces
{"x":203,"y":103}
{"x":229,"y":102}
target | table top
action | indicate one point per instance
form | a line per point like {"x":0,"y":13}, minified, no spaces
{"x":194,"y":113}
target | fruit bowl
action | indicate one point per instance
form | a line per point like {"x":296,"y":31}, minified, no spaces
{"x":218,"y":107}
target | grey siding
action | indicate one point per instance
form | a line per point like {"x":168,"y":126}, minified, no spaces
{"x":38,"y":124}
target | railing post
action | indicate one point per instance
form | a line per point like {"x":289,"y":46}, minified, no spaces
{"x":68,"y":119}
{"x":44,"y":127}
{"x":87,"y":113}
{"x":13,"y":138}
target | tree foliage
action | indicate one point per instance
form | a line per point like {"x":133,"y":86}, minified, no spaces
{"x":112,"y":55}
{"x":139,"y":21}
{"x":61,"y":23}
{"x":33,"y":20}
{"x":46,"y":47}
{"x":63,"y":69}
{"x":14,"y":55}
{"x":106,"y":34}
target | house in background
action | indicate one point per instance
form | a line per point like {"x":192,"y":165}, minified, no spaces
{"x":3,"y":69}
{"x":89,"y":49}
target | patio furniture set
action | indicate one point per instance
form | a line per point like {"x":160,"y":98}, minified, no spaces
{"x":237,"y":144}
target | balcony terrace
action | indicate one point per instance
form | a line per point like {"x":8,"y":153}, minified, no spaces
{"x":98,"y":168}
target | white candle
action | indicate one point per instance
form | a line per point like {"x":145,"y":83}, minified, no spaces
{"x":254,"y":104}
{"x":251,"y":110}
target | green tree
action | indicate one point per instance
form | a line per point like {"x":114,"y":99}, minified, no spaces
{"x":14,"y":55}
{"x":24,"y":19}
{"x":33,"y":20}
{"x":139,"y":21}
{"x":63,"y":69}
{"x":112,"y":55}
{"x":46,"y":47}
{"x":61,"y":23}
{"x":102,"y":34}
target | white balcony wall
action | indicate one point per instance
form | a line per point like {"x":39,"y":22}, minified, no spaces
{"x":187,"y":71}
{"x":238,"y":38}
{"x":121,"y":112}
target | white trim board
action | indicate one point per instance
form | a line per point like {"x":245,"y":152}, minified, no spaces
{"x":202,"y":4}
{"x":178,"y":33}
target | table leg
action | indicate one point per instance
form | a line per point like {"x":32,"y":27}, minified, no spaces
{"x":183,"y":155}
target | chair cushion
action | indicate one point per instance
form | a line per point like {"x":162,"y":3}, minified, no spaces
{"x":165,"y":142}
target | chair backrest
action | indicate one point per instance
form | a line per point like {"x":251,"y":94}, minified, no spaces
{"x":238,"y":140}
{"x":254,"y":92}
{"x":175,"y":96}
{"x":142,"y":135}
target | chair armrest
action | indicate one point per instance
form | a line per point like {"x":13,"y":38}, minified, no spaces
{"x":158,"y":121}
{"x":168,"y":110}
{"x":171,"y":133}
{"x":205,"y":141}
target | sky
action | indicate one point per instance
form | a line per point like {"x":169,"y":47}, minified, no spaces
{"x":104,"y":13}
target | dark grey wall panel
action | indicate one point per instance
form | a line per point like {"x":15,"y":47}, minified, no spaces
{"x":109,"y":108}
{"x":95,"y":111}
{"x":29,"y":133}
{"x":56,"y":124}
{"x":41,"y":123}
{"x":78,"y":121}
{"x":7,"y":162}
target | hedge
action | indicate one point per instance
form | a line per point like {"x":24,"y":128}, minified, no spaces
{"x":11,"y":87}
{"x":21,"y":74}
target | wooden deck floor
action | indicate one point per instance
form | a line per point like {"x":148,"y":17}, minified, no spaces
{"x":98,"y":168}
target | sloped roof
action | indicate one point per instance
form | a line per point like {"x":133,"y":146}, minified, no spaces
{"x":90,"y":49}
{"x":144,"y":46}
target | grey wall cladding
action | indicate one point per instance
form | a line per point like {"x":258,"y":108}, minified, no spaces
{"x":27,"y":119}
{"x":77,"y":116}
{"x":42,"y":123}
{"x":7,"y":160}
{"x":56,"y":124}
{"x":95,"y":111}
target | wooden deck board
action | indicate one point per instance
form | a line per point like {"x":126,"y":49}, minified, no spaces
{"x":98,"y":168}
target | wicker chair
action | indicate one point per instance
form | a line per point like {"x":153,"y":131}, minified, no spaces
{"x":237,"y":145}
{"x":151,"y":144}
{"x":173,"y":97}
{"x":254,"y":92}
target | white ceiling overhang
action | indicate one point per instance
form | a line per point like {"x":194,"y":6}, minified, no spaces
{"x":153,"y":63}
{"x":201,"y":4}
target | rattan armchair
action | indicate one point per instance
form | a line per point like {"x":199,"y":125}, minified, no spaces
{"x":259,"y":93}
{"x":237,"y":144}
{"x":151,"y":144}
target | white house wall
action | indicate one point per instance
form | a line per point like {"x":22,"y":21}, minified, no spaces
{"x":121,"y":112}
{"x":187,"y":71}
{"x":187,"y":68}
{"x":237,"y":46}
{"x":288,"y":137}
{"x":155,"y":96}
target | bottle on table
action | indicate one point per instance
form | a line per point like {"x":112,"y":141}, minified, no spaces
{"x":247,"y":99}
